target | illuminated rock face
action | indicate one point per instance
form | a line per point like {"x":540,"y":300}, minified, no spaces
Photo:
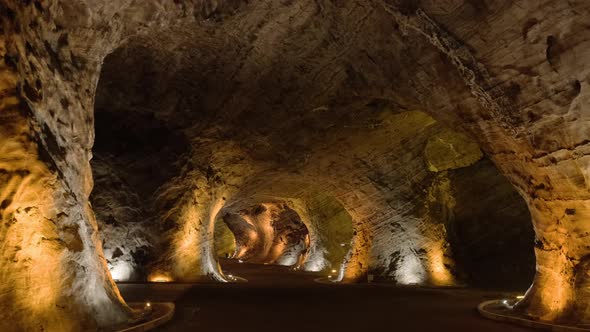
{"x":269,"y":233}
{"x":54,"y":275}
{"x":237,"y":103}
{"x":330,"y":231}
{"x":225,"y":240}
{"x":526,"y":110}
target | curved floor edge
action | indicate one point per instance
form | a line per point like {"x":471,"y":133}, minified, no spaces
{"x":488,"y":313}
{"x":163,"y":312}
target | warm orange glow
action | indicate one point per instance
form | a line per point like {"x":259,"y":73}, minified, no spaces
{"x":160,"y":278}
{"x":357,"y":261}
{"x":439,"y":273}
{"x":252,"y":235}
{"x":185,"y":245}
{"x":242,"y":252}
{"x":193,"y":243}
{"x":277,"y":251}
{"x":556,"y":291}
{"x":30,"y":242}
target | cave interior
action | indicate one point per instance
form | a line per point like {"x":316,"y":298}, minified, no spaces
{"x":303,"y":156}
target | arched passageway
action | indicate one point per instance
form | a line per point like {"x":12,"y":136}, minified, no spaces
{"x":400,"y":206}
{"x":269,"y":233}
{"x":393,"y":111}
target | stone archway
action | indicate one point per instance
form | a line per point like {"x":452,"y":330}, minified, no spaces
{"x":529,"y":118}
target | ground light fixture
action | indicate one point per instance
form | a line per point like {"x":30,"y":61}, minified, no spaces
{"x":159,"y":278}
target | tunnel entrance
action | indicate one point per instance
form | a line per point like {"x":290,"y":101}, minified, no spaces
{"x":274,"y":234}
{"x":487,"y":226}
{"x":135,"y":153}
{"x":265,"y":234}
{"x":490,"y":232}
{"x":269,"y":233}
{"x":163,"y":156}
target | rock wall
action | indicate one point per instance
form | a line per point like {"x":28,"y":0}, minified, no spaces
{"x":55,"y":277}
{"x":330,"y":229}
{"x":525,"y":108}
{"x":228,"y":101}
{"x":225,"y":240}
{"x":269,"y":233}
{"x":126,"y":224}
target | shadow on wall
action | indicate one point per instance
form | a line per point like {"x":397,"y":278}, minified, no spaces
{"x":486,"y":223}
{"x":490,"y":230}
{"x":134,"y":154}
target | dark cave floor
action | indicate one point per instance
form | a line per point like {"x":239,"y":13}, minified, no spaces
{"x":277,"y":299}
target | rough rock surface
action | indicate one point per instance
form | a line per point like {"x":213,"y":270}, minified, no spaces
{"x":216,"y":106}
{"x":330,"y":231}
{"x":269,"y":233}
{"x":225,"y":240}
{"x":128,"y":232}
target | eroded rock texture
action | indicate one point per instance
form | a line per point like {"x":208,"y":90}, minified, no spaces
{"x":380,"y":110}
{"x":125,"y":223}
{"x":330,"y":231}
{"x":225,"y":240}
{"x":269,"y":233}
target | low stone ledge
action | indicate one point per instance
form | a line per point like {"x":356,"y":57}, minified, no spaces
{"x":500,"y":310}
{"x":328,"y":281}
{"x":159,"y":314}
{"x":237,"y":280}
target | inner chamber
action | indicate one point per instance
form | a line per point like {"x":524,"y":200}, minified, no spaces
{"x":391,"y":142}
{"x":410,"y":200}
